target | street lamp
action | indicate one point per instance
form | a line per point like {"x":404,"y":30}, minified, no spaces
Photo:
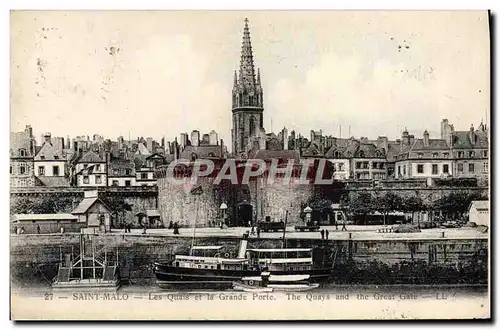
{"x":308,"y":212}
{"x":223,"y":208}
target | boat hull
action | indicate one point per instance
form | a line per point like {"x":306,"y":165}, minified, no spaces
{"x":168,"y":276}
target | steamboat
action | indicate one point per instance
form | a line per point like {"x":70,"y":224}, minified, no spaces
{"x":210,"y":266}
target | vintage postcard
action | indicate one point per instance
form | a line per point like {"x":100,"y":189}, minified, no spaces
{"x":250,"y":165}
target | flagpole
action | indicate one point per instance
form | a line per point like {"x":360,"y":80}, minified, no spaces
{"x":195,"y":221}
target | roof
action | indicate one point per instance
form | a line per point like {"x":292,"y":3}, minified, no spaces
{"x":276,"y":154}
{"x":48,"y":217}
{"x":52,"y":181}
{"x":462,"y":140}
{"x":434,"y":144}
{"x":85,"y":204}
{"x":218,"y":247}
{"x":368,"y":150}
{"x":153,"y":213}
{"x":90,"y":157}
{"x":480,"y":205}
{"x":49,"y":152}
{"x":120,"y":164}
{"x":281,"y":250}
{"x":205,"y":151}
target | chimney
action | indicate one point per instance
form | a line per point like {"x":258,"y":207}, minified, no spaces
{"x":426,"y":139}
{"x":471,"y":134}
{"x":47,"y":138}
{"x":222,"y":147}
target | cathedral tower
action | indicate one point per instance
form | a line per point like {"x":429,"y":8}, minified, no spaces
{"x":248,"y":105}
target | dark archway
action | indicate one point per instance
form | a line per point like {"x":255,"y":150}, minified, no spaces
{"x":244,"y":214}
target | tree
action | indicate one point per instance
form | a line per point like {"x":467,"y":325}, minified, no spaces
{"x":119,"y":207}
{"x":387,"y":203}
{"x":361,"y":204}
{"x":46,"y":205}
{"x":412,"y":204}
{"x":456,"y":204}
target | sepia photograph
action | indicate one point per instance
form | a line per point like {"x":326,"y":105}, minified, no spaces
{"x":249,"y":165}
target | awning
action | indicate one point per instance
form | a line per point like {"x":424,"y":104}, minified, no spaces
{"x":152,"y":213}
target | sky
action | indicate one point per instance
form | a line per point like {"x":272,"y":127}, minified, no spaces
{"x":160,"y":73}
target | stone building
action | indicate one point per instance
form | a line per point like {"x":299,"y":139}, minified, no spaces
{"x":50,"y":165}
{"x":22,"y":150}
{"x":247,"y":100}
{"x":423,"y":158}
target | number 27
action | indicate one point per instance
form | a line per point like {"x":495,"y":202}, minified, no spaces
{"x":48,"y":296}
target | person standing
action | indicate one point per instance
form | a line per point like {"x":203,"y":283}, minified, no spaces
{"x":322,"y":234}
{"x":327,"y":233}
{"x":343,"y":225}
{"x":176,"y":228}
{"x":38,"y":228}
{"x":258,"y":232}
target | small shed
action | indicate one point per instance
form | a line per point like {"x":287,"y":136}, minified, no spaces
{"x":48,"y":223}
{"x":94,"y":212}
{"x":479,"y":213}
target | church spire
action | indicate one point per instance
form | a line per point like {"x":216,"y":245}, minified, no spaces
{"x":247,"y":70}
{"x":258,"y":76}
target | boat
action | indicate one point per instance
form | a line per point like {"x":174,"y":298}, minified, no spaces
{"x":212,"y":267}
{"x":274,"y":283}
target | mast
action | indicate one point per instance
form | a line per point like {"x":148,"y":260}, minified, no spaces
{"x":284,"y":230}
{"x":196,"y":192}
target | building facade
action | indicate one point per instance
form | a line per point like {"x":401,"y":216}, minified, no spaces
{"x":22,"y":167}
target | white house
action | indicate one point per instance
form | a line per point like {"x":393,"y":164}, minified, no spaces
{"x":479,"y":212}
{"x":50,"y":165}
{"x":91,"y":170}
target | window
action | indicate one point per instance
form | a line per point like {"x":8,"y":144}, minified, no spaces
{"x":10,"y":169}
{"x":127,"y":183}
{"x":85,"y":165}
{"x":341,"y":166}
{"x":434,"y":169}
{"x":362,"y":154}
{"x":460,"y":154}
{"x":22,"y":152}
{"x":446,"y":155}
{"x":98,"y":179}
{"x":471,"y":154}
{"x":485,"y":153}
{"x":22,"y":169}
{"x":127,"y":172}
{"x":374,"y":164}
{"x":485,"y":167}
{"x":471,"y":168}
{"x":86,"y":179}
{"x":116,"y":172}
{"x":98,"y":167}
{"x":420,"y":168}
{"x":42,"y":157}
{"x":460,"y":168}
{"x":358,"y":164}
{"x":404,"y":169}
{"x":446,"y":168}
{"x":144,"y":176}
{"x":399,"y":169}
{"x":365,"y":164}
{"x":435,"y":155}
{"x":41,"y":170}
{"x":114,"y":183}
{"x":55,"y":170}
{"x":420,"y":155}
{"x":56,"y":157}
